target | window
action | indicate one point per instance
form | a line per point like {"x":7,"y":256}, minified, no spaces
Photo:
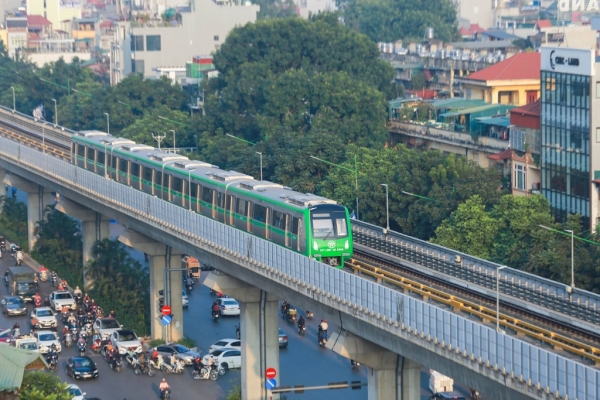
{"x":220,"y":197}
{"x":100,"y":157}
{"x":147,"y":174}
{"x":137,"y":66}
{"x":278,"y":220}
{"x":551,"y":84}
{"x":158,"y":178}
{"x":295,"y":224}
{"x":260,"y":213}
{"x":177,"y":185}
{"x":216,"y":38}
{"x":153,"y":43}
{"x":123,"y":164}
{"x":241,"y":207}
{"x":207,"y":195}
{"x":135,"y":170}
{"x":520,"y":181}
{"x":80,"y":151}
{"x":137,"y":43}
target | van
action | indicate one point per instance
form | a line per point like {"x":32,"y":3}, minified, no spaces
{"x":448,"y":396}
{"x":21,"y":282}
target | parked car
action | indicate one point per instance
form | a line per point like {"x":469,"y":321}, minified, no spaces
{"x":283,"y":339}
{"x":223,"y":343}
{"x":81,"y":367}
{"x":105,"y":327}
{"x":226,"y":358}
{"x":46,"y":339}
{"x":181,"y":352}
{"x":45,"y":316}
{"x":58,"y":300}
{"x":229,"y":306}
{"x":76,"y":392}
{"x":13,"y":305}
{"x":126,"y":340}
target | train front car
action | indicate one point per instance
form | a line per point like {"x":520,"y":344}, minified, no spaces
{"x":330,"y":234}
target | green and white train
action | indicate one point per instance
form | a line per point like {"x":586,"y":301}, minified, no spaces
{"x":308,"y":224}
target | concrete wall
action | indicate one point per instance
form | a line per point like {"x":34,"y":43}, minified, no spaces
{"x":308,"y":7}
{"x":476,"y":11}
{"x":42,"y":58}
{"x":54,"y":12}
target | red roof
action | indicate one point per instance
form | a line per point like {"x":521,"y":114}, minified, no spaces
{"x":503,"y":155}
{"x":106,"y":24}
{"x":37,"y":20}
{"x":518,"y":67}
{"x":533,"y":109}
{"x":473,"y":29}
{"x":544,"y":23}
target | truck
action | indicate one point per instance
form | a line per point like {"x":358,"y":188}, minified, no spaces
{"x":193,"y":266}
{"x":26,"y":342}
{"x":21,"y":282}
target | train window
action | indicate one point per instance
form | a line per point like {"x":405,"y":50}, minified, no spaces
{"x":90,"y":155}
{"x":123,"y":165}
{"x":113,"y":163}
{"x":278,"y":220}
{"x":158,"y":178}
{"x":260,"y":213}
{"x":177,"y":185}
{"x":340,"y":226}
{"x":147,"y":174}
{"x":207,"y":195}
{"x":230,"y":198}
{"x":100,"y":157}
{"x":80,"y":151}
{"x":220,"y":197}
{"x":193,"y":191}
{"x":135,"y":170}
{"x":295,"y":223}
{"x":241,"y":207}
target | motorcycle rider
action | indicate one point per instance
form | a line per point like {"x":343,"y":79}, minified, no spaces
{"x":163,"y":387}
{"x":64,"y":284}
{"x":77,"y":292}
{"x":154,"y":355}
{"x":37,"y":299}
{"x":322,"y":330}
{"x":53,"y":278}
{"x":301,"y":322}
{"x":72,"y":321}
{"x":285,"y":308}
{"x":81,"y":341}
{"x":15,"y":327}
{"x":36,"y":282}
{"x":215,"y":308}
{"x":112,"y":314}
{"x":189,"y":283}
{"x":60,"y":287}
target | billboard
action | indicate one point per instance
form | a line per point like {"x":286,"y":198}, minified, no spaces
{"x":579,"y":5}
{"x":568,"y":61}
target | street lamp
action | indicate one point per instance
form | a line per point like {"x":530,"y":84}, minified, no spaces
{"x":14,"y":104}
{"x":355,"y":171}
{"x":572,"y":250}
{"x":174,"y":151}
{"x":498,"y":298}
{"x":196,"y":141}
{"x":55,"y":114}
{"x":107,"y":123}
{"x":260,"y":155}
{"x":387,"y":206}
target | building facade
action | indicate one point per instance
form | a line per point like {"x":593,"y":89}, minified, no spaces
{"x":570,"y":159}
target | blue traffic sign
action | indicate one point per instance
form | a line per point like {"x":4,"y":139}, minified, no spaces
{"x":113,"y":221}
{"x":166,"y":320}
{"x":271,"y":383}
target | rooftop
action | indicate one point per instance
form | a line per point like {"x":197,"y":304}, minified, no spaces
{"x":499,"y":35}
{"x":14,"y":362}
{"x":471,"y":30}
{"x":37,"y":20}
{"x":544,"y":23}
{"x":522,"y":66}
{"x":533,"y":109}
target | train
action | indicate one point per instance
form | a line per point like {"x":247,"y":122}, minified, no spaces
{"x":308,"y":224}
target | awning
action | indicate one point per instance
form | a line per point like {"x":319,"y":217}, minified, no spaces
{"x":467,"y":111}
{"x":496,"y":121}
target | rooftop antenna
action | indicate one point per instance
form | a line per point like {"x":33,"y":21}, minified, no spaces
{"x":158,"y":138}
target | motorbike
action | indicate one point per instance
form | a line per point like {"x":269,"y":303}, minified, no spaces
{"x":46,"y":302}
{"x":291,"y":315}
{"x":165,"y":394}
{"x":52,"y":359}
{"x":237,"y":332}
{"x":189,"y":288}
{"x":68,"y":340}
{"x":2,"y":243}
{"x":146,"y":367}
{"x":115,"y":362}
{"x":205,"y":373}
{"x":475,"y":394}
{"x":81,"y":348}
{"x":215,"y":316}
{"x":53,"y":280}
{"x":16,"y":332}
{"x":19,"y":258}
{"x":132,"y":361}
{"x":355,"y":365}
{"x":37,"y":301}
{"x":97,"y":344}
{"x":302,"y":330}
{"x":322,"y":338}
{"x":176,"y":367}
{"x":78,"y":299}
{"x":65,"y":316}
{"x":310,"y":315}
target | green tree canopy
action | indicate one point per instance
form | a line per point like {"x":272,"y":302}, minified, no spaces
{"x":390,"y":20}
{"x":39,"y":385}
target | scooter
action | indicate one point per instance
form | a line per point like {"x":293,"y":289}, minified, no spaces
{"x":165,"y":394}
{"x":310,"y":315}
{"x":176,"y":367}
{"x":19,"y":258}
{"x":16,"y":332}
{"x":205,"y":373}
{"x":81,"y":348}
{"x":189,"y":288}
{"x":475,"y":394}
{"x":52,"y":360}
{"x":302,"y":330}
{"x":322,"y":338}
{"x":37,"y":301}
{"x":215,"y":316}
{"x":132,"y":361}
{"x":68,"y":340}
{"x":355,"y":365}
{"x":115,"y":362}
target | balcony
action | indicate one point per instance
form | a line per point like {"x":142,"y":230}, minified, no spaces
{"x":421,"y":131}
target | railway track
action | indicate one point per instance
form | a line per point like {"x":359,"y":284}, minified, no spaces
{"x":520,"y":321}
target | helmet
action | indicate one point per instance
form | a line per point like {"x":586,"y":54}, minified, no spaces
{"x":324,"y":320}
{"x":76,"y":287}
{"x":164,"y":380}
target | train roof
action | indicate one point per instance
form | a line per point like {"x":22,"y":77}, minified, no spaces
{"x":201,"y":170}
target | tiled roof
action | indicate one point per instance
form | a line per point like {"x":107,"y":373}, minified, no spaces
{"x":473,"y":29}
{"x":37,"y":20}
{"x":14,"y":362}
{"x":503,"y":155}
{"x":106,"y":24}
{"x":518,"y":67}
{"x":544,"y":23}
{"x":529,"y":109}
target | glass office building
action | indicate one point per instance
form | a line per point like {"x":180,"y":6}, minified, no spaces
{"x":569,"y":139}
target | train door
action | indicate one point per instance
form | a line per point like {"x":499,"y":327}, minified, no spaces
{"x":134,"y":175}
{"x":123,"y":171}
{"x":219,"y":211}
{"x":206,"y":205}
{"x":294,"y":225}
{"x":80,"y":155}
{"x":100,"y":160}
{"x":259,"y":220}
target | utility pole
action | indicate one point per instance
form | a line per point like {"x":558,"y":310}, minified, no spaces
{"x":159,"y":138}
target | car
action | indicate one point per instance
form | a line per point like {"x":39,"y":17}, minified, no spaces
{"x":230,"y":343}
{"x":448,"y":396}
{"x":283,"y":339}
{"x":26,"y":342}
{"x":46,"y":339}
{"x":45,"y":316}
{"x":126,"y":340}
{"x":13,"y":305}
{"x":81,"y":367}
{"x":105,"y":327}
{"x":61,"y":299}
{"x":226,"y":358}
{"x":5,"y":335}
{"x":76,"y":392}
{"x":228,"y":306}
{"x":181,"y":352}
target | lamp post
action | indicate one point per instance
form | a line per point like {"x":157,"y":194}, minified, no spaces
{"x":498,"y":298}
{"x":572,"y":250}
{"x":355,"y":171}
{"x":174,"y":147}
{"x":260,"y":155}
{"x":14,"y":103}
{"x":387,"y":206}
{"x":55,"y":113}
{"x":107,"y":123}
{"x":196,"y":141}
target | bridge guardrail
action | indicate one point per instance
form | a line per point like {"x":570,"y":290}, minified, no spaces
{"x":579,"y":303}
{"x":511,"y":354}
{"x":22,"y":121}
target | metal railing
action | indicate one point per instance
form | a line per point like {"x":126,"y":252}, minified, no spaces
{"x":383,"y":307}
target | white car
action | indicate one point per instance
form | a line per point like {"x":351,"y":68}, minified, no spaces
{"x":229,"y":306}
{"x":46,"y":339}
{"x":126,"y":340}
{"x":76,"y":392}
{"x":223,"y":343}
{"x":58,"y":300}
{"x":45,"y":316}
{"x":226,"y":358}
{"x":105,"y":327}
{"x":185,"y":300}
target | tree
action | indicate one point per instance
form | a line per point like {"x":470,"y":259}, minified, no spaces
{"x":390,"y":20}
{"x":417,"y":81}
{"x":39,"y":385}
{"x":276,"y":9}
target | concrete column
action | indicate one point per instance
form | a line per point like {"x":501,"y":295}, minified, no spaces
{"x":255,"y":361}
{"x":2,"y":187}
{"x":37,"y":200}
{"x":158,"y":254}
{"x":94,"y":227}
{"x":390,"y":376}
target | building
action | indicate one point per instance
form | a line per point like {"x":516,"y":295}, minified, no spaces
{"x":515,"y":80}
{"x":570,"y":159}
{"x":141,"y":47}
{"x":59,"y":12}
{"x":308,"y":7}
{"x":475,"y":11}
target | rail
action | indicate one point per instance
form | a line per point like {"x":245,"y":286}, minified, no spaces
{"x":521,"y":285}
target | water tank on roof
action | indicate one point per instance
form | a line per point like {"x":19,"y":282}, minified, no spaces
{"x":429,"y":33}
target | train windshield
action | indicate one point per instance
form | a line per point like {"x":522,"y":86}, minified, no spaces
{"x":329,"y":222}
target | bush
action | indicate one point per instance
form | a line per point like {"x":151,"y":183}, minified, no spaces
{"x":156,"y":342}
{"x":187,"y":342}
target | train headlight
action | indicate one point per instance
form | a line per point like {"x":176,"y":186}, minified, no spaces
{"x":346,"y":245}
{"x":315,"y":245}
